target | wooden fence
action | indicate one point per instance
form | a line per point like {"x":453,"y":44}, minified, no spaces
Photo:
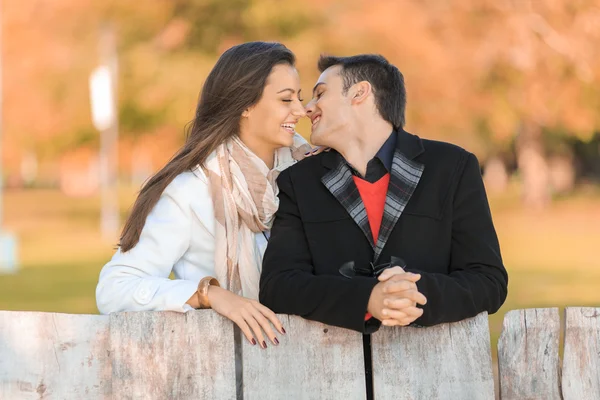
{"x":163,"y":355}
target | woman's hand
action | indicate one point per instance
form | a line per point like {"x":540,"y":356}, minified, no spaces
{"x":317,"y":150}
{"x":248,"y":314}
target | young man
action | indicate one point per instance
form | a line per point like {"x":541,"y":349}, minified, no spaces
{"x":387,"y":227}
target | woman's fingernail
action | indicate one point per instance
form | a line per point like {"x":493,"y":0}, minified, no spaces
{"x":264,"y":344}
{"x":276,"y":341}
{"x":283,"y":330}
{"x":253,"y":342}
{"x":307,"y":153}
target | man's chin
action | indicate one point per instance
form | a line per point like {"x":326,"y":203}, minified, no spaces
{"x":316,"y":138}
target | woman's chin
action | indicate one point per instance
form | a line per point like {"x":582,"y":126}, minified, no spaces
{"x":286,"y":142}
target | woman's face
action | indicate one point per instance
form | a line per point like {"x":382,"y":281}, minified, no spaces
{"x":272,"y":121}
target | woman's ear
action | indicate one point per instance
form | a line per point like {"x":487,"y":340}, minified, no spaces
{"x":246,"y":113}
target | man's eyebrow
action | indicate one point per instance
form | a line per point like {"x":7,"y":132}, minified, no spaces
{"x":316,"y":86}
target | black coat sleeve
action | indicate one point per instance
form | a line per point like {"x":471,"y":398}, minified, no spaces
{"x":477,"y":280}
{"x":288,"y":283}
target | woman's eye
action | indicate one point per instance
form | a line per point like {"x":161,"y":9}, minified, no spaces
{"x":287,"y":100}
{"x":319,"y":95}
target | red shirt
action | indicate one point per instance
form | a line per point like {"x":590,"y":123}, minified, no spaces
{"x":373,"y":196}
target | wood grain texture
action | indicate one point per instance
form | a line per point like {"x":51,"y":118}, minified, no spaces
{"x":528,"y":355}
{"x":449,"y":361}
{"x":312,"y":361}
{"x":164,"y":355}
{"x":581,"y":361}
{"x":168,"y":355}
{"x":53,"y":356}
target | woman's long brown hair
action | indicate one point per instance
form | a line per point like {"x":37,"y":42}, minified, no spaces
{"x":235,"y":83}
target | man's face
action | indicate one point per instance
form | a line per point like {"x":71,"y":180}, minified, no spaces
{"x":329,"y":110}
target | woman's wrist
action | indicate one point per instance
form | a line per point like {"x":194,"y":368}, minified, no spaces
{"x":212,"y":292}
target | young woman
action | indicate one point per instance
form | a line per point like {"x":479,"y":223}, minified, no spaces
{"x":206,"y":214}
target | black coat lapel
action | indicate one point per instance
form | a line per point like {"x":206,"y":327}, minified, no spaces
{"x":404,"y":178}
{"x":341,"y":185}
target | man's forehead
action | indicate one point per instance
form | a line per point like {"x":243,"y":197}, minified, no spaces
{"x":330,"y":74}
{"x":329,"y":77}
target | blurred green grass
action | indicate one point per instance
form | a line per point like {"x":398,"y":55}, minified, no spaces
{"x":67,"y":287}
{"x":551,"y":255}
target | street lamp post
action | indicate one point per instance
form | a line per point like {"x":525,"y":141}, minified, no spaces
{"x":8,"y":242}
{"x":104,"y":116}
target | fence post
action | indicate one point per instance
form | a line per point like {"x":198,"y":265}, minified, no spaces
{"x":169,"y":355}
{"x":581,"y":366}
{"x":58,"y":356}
{"x":528,"y":355}
{"x":313,"y":361}
{"x":448,"y":361}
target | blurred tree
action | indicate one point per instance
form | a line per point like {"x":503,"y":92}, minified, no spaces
{"x":166,"y":49}
{"x":538,"y":71}
{"x":490,"y":76}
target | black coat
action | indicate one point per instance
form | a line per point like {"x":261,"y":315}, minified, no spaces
{"x":437,"y":219}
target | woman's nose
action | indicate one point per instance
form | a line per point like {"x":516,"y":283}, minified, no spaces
{"x":299,"y":111}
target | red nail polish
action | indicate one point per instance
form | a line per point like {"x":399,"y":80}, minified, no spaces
{"x":264,"y":344}
{"x":276,"y":341}
{"x":282,"y":330}
{"x":253,"y":342}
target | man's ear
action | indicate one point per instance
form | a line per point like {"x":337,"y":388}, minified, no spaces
{"x":360,"y":92}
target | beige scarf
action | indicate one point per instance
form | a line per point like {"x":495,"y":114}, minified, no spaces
{"x":245,"y":200}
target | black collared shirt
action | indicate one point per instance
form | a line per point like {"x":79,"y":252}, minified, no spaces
{"x":381,"y":164}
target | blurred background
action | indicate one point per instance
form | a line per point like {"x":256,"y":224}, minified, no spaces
{"x":515,"y":82}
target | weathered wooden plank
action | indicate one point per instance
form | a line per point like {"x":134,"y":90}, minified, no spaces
{"x":312,"y":361}
{"x":528,"y":355}
{"x":53,"y":356}
{"x":581,"y":365}
{"x":448,"y":361}
{"x":168,"y":355}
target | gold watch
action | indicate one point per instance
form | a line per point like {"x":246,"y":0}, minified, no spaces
{"x":202,"y":291}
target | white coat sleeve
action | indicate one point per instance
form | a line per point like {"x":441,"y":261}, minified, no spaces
{"x":138,"y":280}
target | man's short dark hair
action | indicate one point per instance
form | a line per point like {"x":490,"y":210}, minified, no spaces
{"x":387,"y":82}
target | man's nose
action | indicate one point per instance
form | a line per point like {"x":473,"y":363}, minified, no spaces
{"x":309,"y":108}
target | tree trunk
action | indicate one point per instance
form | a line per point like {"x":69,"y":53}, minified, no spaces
{"x":533,"y":166}
{"x":562,"y":173}
{"x":495,"y":175}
